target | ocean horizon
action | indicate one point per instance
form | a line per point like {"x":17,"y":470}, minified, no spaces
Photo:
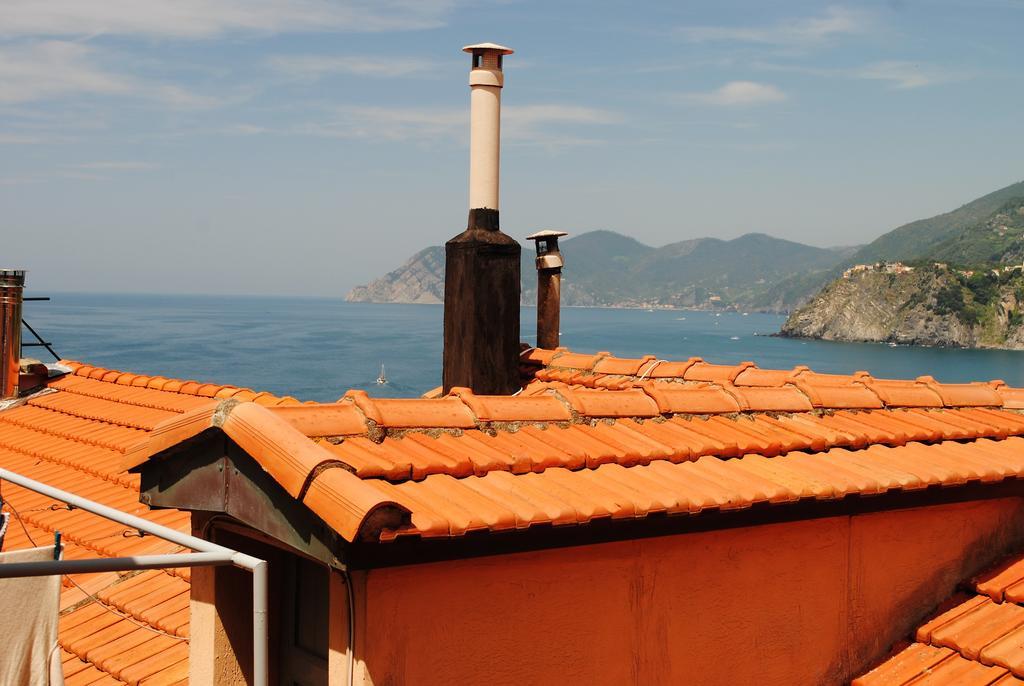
{"x":316,"y":348}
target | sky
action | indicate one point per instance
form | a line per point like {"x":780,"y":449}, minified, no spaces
{"x":307,"y":146}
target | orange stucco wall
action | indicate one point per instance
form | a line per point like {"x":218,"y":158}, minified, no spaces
{"x":808,"y":602}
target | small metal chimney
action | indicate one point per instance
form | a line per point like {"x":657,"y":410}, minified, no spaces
{"x":12,"y":284}
{"x":481,"y":287}
{"x":549,"y":287}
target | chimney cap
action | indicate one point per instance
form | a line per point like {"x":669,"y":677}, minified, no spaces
{"x":546,"y":233}
{"x":488,"y":46}
{"x":12,"y":277}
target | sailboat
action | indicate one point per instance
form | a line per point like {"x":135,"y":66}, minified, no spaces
{"x":382,"y":379}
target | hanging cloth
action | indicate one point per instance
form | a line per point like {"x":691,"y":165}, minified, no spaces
{"x":29,"y":610}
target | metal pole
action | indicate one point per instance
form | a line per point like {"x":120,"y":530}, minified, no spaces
{"x":12,"y":283}
{"x":41,"y":341}
{"x":260,"y":642}
{"x":255,"y":565}
{"x":113,"y":564}
{"x":166,"y":533}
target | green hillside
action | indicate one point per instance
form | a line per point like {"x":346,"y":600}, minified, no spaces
{"x":916,"y":239}
{"x":999,"y":238}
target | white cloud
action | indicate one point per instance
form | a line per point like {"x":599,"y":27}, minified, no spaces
{"x":550,"y":125}
{"x":20,"y":139}
{"x":738,"y":94}
{"x":211,"y":18}
{"x":313,"y":67}
{"x":389,"y":124}
{"x":176,"y":96}
{"x":17,"y":180}
{"x":42,"y":70}
{"x":80,"y":176}
{"x":803,"y":32}
{"x":904,"y":75}
{"x":123,"y":165}
{"x":898,"y":74}
{"x":245,"y":129}
{"x":524,"y":116}
{"x":53,"y":68}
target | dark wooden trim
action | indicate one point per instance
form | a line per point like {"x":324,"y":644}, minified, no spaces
{"x":212,"y":474}
{"x":480,"y":544}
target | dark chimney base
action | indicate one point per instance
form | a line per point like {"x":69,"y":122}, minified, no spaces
{"x":483,"y":219}
{"x":481,"y":309}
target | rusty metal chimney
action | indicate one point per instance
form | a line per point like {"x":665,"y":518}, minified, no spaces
{"x":482,"y":272}
{"x":12,"y":284}
{"x":549,"y":287}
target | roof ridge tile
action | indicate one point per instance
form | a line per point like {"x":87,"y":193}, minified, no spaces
{"x":160,"y":383}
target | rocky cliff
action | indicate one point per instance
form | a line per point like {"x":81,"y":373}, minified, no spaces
{"x":927,"y":306}
{"x":420,"y":280}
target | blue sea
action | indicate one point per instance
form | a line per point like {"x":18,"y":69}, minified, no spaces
{"x":317,"y":348}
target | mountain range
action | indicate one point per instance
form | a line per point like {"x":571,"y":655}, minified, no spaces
{"x":752,"y":272}
{"x":605,"y":268}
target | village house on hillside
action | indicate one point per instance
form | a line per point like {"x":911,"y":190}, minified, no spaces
{"x":880,"y":267}
{"x":544,"y":517}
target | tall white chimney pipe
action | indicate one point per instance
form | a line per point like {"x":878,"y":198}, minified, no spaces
{"x":482,"y":264}
{"x":486,"y":81}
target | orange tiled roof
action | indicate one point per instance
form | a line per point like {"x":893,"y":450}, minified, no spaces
{"x":74,"y":437}
{"x":588,"y":438}
{"x":977,"y":639}
{"x":595,"y":437}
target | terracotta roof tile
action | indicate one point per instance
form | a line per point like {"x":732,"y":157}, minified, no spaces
{"x":541,"y":408}
{"x":730,"y":484}
{"x":910,"y":663}
{"x":594,"y":403}
{"x":576,"y":360}
{"x":720,"y":373}
{"x":764,"y":378}
{"x":333,"y":419}
{"x":624,"y":366}
{"x":962,"y":395}
{"x":1012,"y":398}
{"x":781,"y":399}
{"x":674,"y":398}
{"x":75,"y":439}
{"x":996,"y":582}
{"x":590,"y":437}
{"x":974,"y":639}
{"x":414,"y":413}
{"x":666,"y":369}
{"x":831,"y":395}
{"x":903,"y":393}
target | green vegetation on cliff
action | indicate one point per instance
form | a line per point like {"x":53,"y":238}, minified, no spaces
{"x":967,"y":290}
{"x":927,"y":306}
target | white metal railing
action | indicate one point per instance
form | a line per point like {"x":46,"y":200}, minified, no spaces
{"x":207,"y":554}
